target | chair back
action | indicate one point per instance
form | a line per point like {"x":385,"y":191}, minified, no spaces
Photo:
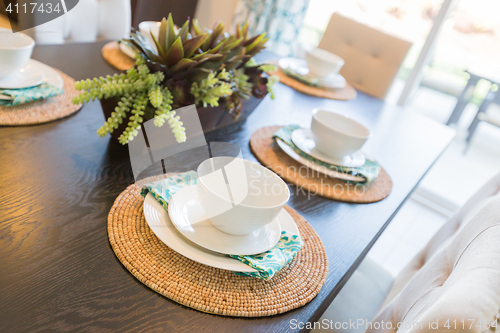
{"x":372,"y":58}
{"x":88,"y":21}
{"x":459,"y":274}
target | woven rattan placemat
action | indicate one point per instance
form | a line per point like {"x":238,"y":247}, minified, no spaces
{"x":115,"y":57}
{"x":268,"y":153}
{"x":345,"y":94}
{"x":206,"y":288}
{"x":42,"y":111}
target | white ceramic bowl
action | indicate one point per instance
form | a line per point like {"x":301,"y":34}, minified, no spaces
{"x":322,"y":63}
{"x":251,"y":197}
{"x":15,"y":51}
{"x":336,"y":135}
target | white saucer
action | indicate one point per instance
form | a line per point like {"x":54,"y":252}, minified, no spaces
{"x":159,"y":222}
{"x":302,"y":138}
{"x":187,"y":215}
{"x":318,"y":168}
{"x":29,"y":75}
{"x":49,"y":76}
{"x":299,"y":66}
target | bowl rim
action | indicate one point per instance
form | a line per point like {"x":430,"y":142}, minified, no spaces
{"x":367,"y":136}
{"x":266,"y":170}
{"x":7,"y":47}
{"x":314,"y":53}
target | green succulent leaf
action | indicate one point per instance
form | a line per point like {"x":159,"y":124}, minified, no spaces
{"x":175,"y":53}
{"x":260,"y":40}
{"x":162,"y":33}
{"x":159,"y":46}
{"x":196,"y":30}
{"x":182,"y":64}
{"x":170,"y":35}
{"x":192,"y":45}
{"x":183,"y":31}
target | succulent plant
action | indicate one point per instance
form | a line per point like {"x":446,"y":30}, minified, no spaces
{"x":139,"y":92}
{"x":186,"y":65}
{"x":190,"y":50}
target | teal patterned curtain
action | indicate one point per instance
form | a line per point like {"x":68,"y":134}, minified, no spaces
{"x":281,"y":19}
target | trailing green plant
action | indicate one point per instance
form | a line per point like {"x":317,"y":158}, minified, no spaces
{"x":139,"y":92}
{"x":186,"y":65}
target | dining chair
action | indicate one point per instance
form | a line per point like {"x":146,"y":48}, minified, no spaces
{"x":88,"y":21}
{"x":372,"y":58}
{"x":453,"y":278}
{"x":488,"y":111}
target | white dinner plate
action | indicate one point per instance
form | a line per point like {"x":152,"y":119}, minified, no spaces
{"x":318,"y":168}
{"x":159,"y":222}
{"x":49,"y":75}
{"x":299,"y":66}
{"x":188,"y":216}
{"x":303,"y":139}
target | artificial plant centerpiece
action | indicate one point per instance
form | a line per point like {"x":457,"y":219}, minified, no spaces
{"x":186,"y":65}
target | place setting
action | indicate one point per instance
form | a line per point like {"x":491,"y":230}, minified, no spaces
{"x":317,"y":75}
{"x":326,"y":159}
{"x":30,"y":91}
{"x":209,"y":238}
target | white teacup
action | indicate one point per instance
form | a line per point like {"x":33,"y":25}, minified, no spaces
{"x":148,"y":27}
{"x":239,"y":196}
{"x":336,"y":135}
{"x":15,"y":51}
{"x":322,"y":63}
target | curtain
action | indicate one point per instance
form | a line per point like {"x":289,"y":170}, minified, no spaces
{"x":281,"y":19}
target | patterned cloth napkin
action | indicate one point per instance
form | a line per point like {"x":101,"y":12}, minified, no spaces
{"x":27,"y":95}
{"x":302,"y":78}
{"x":369,"y":171}
{"x":267,"y":264}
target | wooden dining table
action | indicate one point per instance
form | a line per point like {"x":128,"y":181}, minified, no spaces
{"x":60,"y":179}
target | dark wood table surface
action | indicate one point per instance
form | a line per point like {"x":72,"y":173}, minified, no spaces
{"x":59,"y":181}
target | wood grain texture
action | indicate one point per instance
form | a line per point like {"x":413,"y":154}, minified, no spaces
{"x":269,"y":154}
{"x":59,"y":181}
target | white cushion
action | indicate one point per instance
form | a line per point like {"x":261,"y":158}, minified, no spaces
{"x":456,"y":276}
{"x":461,"y":282}
{"x":372,"y":58}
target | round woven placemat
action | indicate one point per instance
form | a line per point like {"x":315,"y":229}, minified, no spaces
{"x":206,"y":288}
{"x":268,"y":153}
{"x":345,"y":94}
{"x":42,"y":111}
{"x":115,"y":57}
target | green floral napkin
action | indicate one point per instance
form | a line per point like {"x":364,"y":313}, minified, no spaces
{"x":369,"y":171}
{"x":302,"y":78}
{"x":267,"y":264}
{"x":27,"y":95}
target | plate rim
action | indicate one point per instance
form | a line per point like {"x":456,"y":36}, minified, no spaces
{"x":48,"y":72}
{"x":315,"y":167}
{"x":325,"y":158}
{"x":31,"y":85}
{"x":184,"y":247}
{"x":175,"y":201}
